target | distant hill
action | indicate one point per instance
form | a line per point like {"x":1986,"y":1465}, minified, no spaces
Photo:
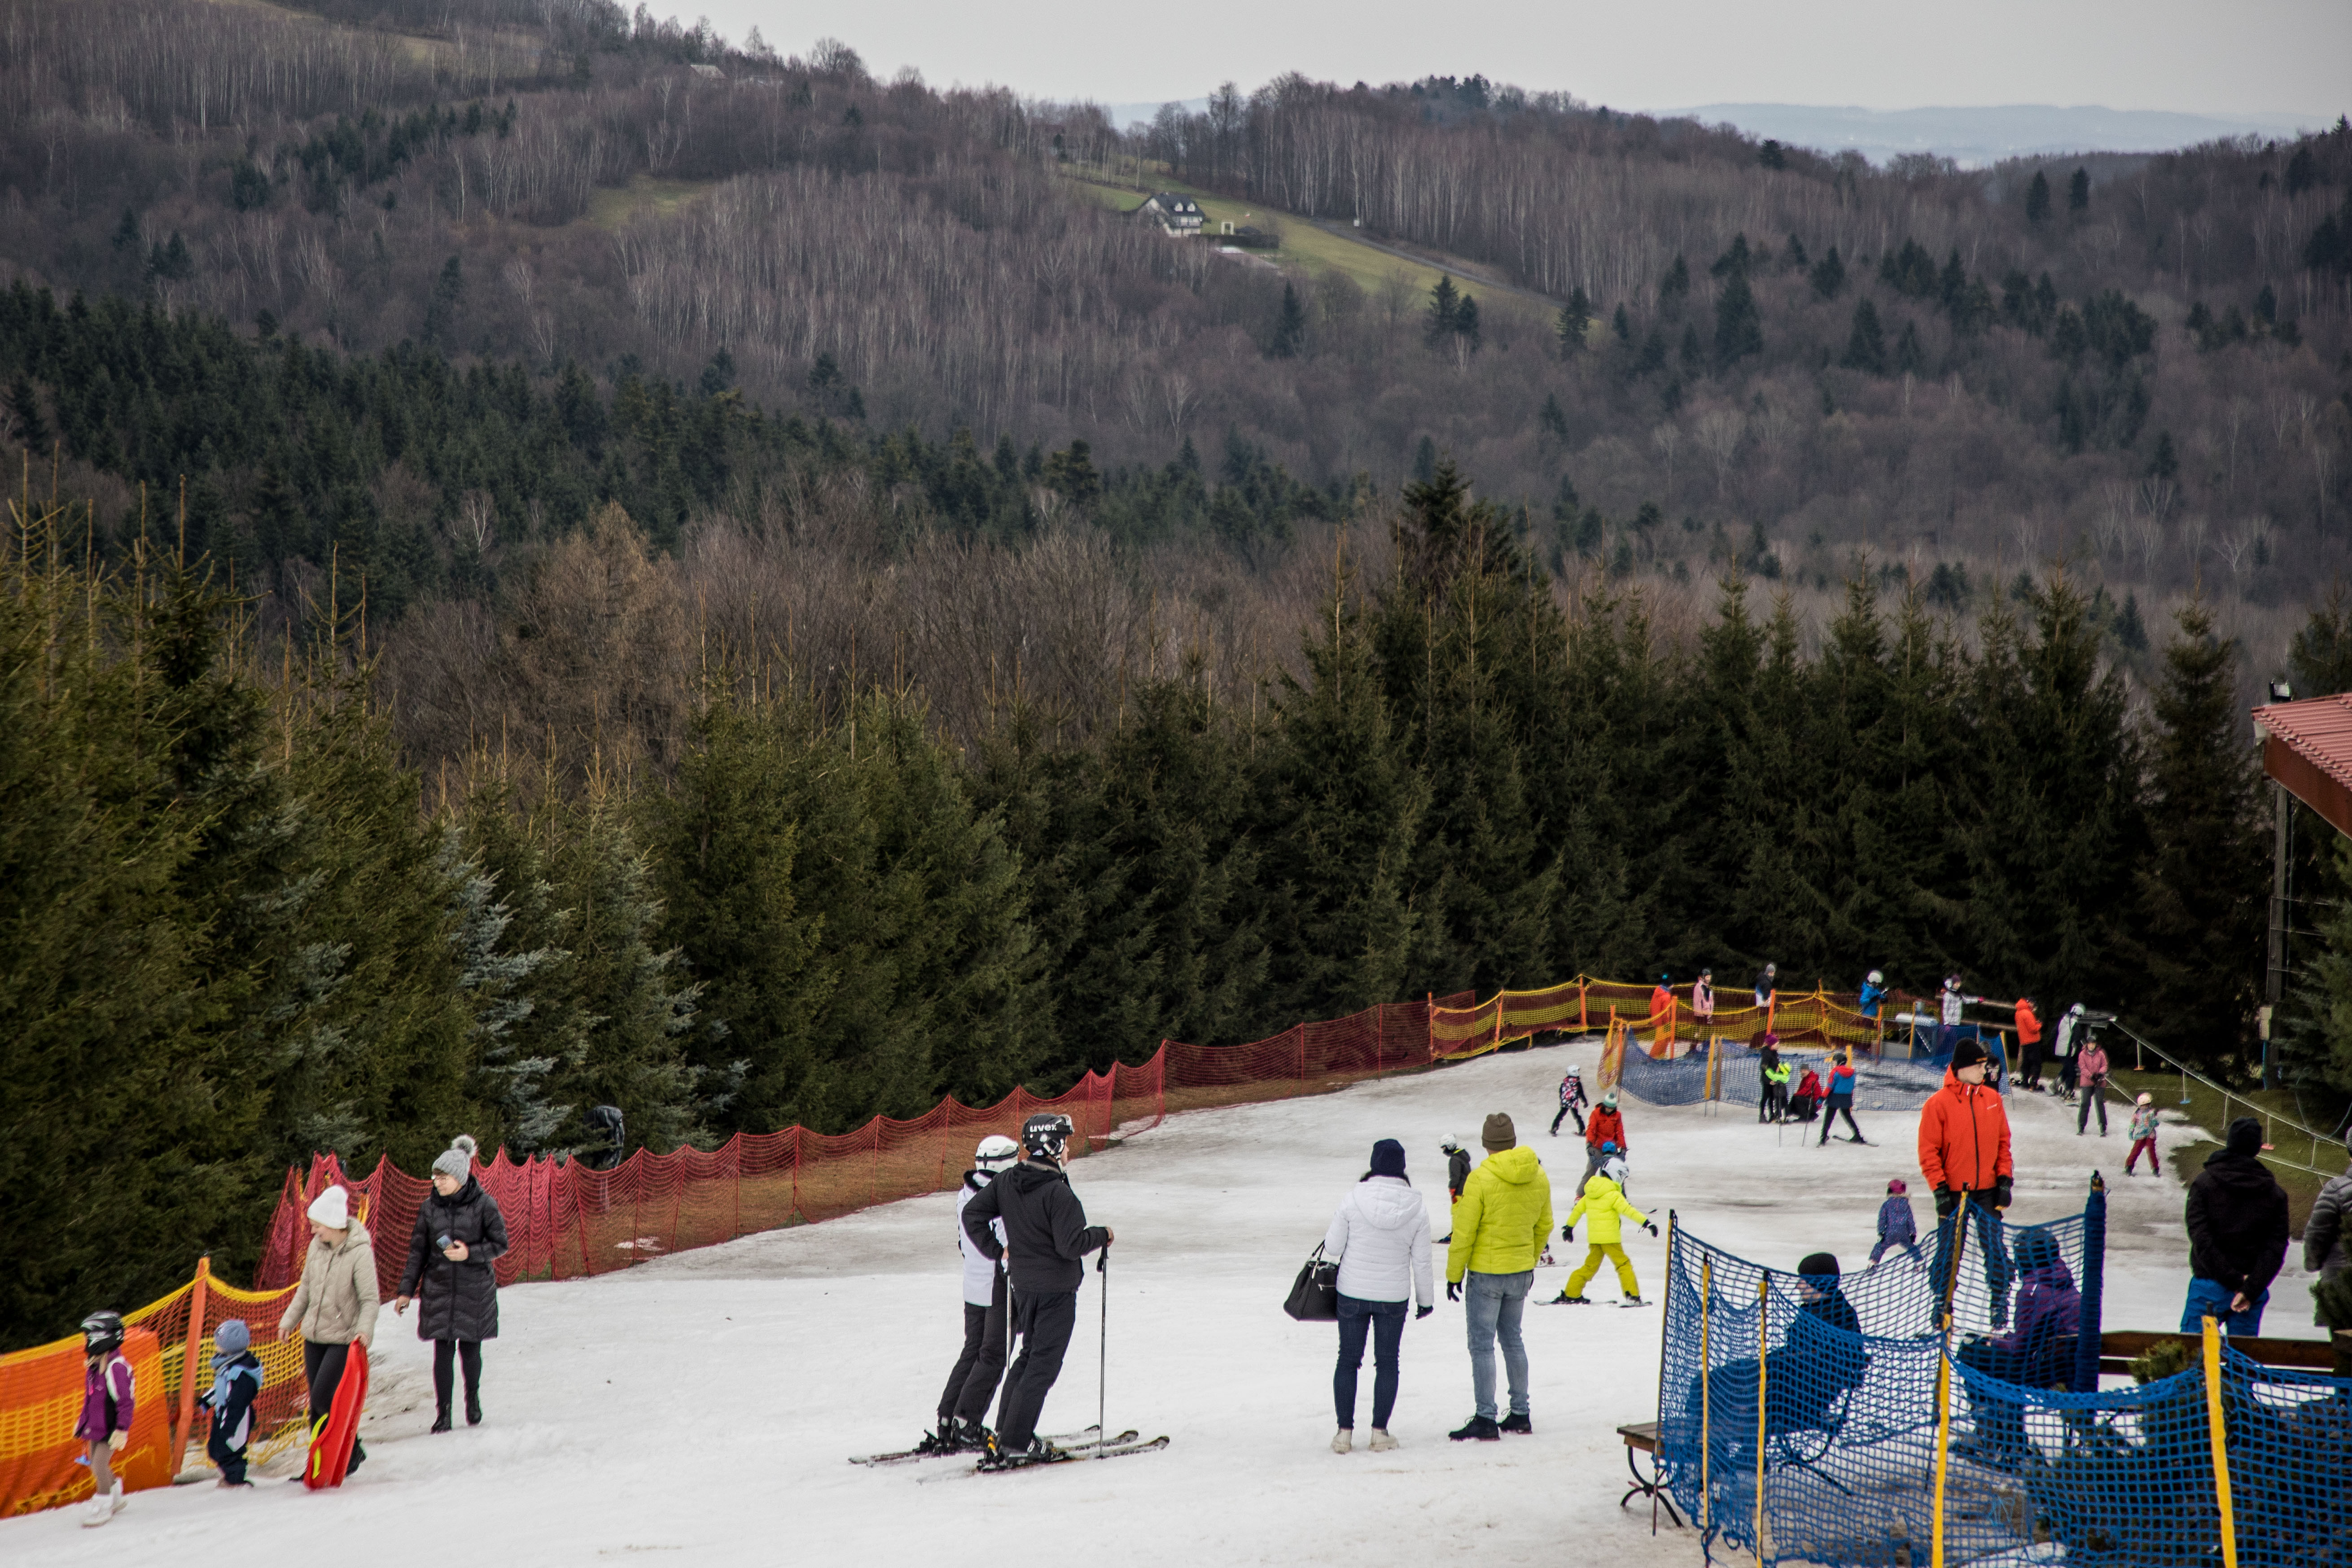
{"x":1975,"y":138}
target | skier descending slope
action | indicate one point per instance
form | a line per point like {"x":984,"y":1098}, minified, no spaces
{"x":1047,"y":1234}
{"x":972,"y":1382}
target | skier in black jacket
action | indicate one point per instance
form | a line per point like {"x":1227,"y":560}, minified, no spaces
{"x":1047,"y":1237}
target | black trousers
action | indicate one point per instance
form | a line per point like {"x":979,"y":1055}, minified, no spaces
{"x":972,"y":1384}
{"x":1565,"y":1112}
{"x":1837,"y":1107}
{"x":1044,"y":1320}
{"x":2093,"y":1094}
{"x":322,"y":1369}
{"x":230,"y":1460}
{"x":469,"y":1353}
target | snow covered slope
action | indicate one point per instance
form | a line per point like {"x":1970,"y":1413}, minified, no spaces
{"x":705,"y":1405}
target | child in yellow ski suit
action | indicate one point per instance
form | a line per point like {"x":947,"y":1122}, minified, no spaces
{"x":1604,"y":1205}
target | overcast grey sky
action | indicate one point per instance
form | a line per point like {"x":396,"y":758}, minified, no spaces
{"x":2199,"y":56}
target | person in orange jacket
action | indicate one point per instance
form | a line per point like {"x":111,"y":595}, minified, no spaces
{"x":1964,"y":1154}
{"x":1662,"y":1016}
{"x":2029,"y":1045}
{"x":1605,"y":1125}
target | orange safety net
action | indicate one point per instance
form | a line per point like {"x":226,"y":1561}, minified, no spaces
{"x":169,"y":1345}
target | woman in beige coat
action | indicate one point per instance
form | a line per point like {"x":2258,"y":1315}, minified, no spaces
{"x":334,"y":1304}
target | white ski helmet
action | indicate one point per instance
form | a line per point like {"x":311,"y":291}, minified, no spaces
{"x":1876,"y":978}
{"x":2077,"y":1010}
{"x":995,"y":1152}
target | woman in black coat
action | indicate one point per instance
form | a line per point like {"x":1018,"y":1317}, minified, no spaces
{"x":459,"y":1234}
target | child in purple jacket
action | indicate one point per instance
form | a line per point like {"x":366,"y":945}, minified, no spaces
{"x":108,"y":1402}
{"x":1896,"y":1226}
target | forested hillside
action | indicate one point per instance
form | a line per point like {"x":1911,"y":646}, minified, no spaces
{"x":556,"y":560}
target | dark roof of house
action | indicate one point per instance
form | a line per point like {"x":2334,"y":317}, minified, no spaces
{"x":2307,"y":748}
{"x":1173,"y":202}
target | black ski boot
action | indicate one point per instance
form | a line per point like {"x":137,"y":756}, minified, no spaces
{"x":970,"y":1437}
{"x":441,"y":1419}
{"x":942,"y":1439}
{"x":1038,"y":1452}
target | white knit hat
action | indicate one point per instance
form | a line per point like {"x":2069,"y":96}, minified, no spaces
{"x":333,"y":1208}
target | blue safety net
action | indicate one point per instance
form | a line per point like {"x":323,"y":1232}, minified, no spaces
{"x":1799,"y":1418}
{"x":1881,"y":1083}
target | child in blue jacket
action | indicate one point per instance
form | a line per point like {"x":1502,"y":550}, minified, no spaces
{"x":236,"y":1383}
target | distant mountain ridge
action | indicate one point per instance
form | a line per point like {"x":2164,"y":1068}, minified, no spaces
{"x":1975,"y":137}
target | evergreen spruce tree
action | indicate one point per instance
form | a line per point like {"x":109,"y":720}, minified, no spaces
{"x":1739,"y":325}
{"x":2203,"y":891}
{"x":2037,"y":198}
{"x":1910,"y":357}
{"x":2078,"y":191}
{"x":1865,"y":345}
{"x":1289,"y":327}
{"x":1341,"y":811}
{"x":1444,"y":311}
{"x":1574,"y":321}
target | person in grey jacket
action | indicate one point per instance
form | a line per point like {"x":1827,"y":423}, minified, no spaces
{"x":2326,"y":1239}
{"x":1379,"y":1237}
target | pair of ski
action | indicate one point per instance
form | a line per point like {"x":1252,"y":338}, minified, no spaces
{"x":1587,"y":1302}
{"x":1068,"y":1445}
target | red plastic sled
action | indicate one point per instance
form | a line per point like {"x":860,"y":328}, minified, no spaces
{"x":331,"y":1435}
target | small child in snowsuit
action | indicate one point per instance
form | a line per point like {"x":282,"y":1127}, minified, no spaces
{"x":109,"y":1400}
{"x":1607,"y":1207}
{"x":1896,"y":1226}
{"x":236,"y":1383}
{"x":2143,"y":1136}
{"x":1572,"y":1102}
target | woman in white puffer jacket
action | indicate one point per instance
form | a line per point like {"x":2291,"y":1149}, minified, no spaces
{"x":1381,"y":1240}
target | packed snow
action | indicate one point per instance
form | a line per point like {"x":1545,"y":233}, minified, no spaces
{"x":705,"y":1403}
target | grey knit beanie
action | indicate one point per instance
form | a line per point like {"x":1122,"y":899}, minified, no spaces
{"x":457,"y":1159}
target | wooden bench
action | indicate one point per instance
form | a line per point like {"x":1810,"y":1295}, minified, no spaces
{"x":2118,"y":1348}
{"x":1641,"y":1437}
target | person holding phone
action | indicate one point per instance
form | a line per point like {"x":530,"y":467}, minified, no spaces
{"x":459,"y":1234}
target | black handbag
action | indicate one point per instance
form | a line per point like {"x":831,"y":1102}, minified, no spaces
{"x":1315,"y":1294}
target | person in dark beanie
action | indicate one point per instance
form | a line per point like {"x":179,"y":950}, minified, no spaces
{"x":2237,"y":1235}
{"x":1499,"y":1229}
{"x":1379,"y":1238}
{"x":458,"y":1234}
{"x":1048,"y":1238}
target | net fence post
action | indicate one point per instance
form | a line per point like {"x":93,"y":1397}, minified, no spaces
{"x":1763,"y":1401}
{"x":2093,"y":1290}
{"x":186,"y":1415}
{"x":1943,"y":1441}
{"x":1705,"y":1398}
{"x":2217,"y":1428}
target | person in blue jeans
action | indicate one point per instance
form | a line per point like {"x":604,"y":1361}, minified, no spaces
{"x":1499,"y":1229}
{"x":1379,"y":1237}
{"x":2237,"y":1235}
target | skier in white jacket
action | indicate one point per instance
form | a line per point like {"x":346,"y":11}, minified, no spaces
{"x":972,"y":1384}
{"x":1380,"y":1240}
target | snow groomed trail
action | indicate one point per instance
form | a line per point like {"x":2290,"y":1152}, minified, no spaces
{"x":706,"y":1405}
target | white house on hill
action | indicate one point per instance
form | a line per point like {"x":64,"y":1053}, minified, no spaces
{"x":1176,"y":215}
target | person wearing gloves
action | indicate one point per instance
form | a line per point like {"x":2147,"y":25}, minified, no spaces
{"x":236,"y":1383}
{"x":1605,"y":1125}
{"x":1807,"y":1100}
{"x":1379,"y":1237}
{"x":2237,"y":1235}
{"x":334,"y":1304}
{"x":2143,"y":1136}
{"x":1873,"y":994}
{"x":1046,"y":1240}
{"x":2091,"y":1076}
{"x":1499,"y":1229}
{"x":971,"y":1383}
{"x":110,"y":1397}
{"x":1604,"y":1207}
{"x":1964,"y":1155}
{"x":459,"y":1234}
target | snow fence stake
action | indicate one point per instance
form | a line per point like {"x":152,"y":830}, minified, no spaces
{"x":187,"y":1413}
{"x":2218,"y":1430}
{"x":1763,"y":1404}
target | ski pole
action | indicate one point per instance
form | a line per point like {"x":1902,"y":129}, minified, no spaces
{"x":1102,"y":1366}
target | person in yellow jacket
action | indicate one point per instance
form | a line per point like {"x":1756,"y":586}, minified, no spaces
{"x":1604,"y":1205}
{"x":1499,"y":1229}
